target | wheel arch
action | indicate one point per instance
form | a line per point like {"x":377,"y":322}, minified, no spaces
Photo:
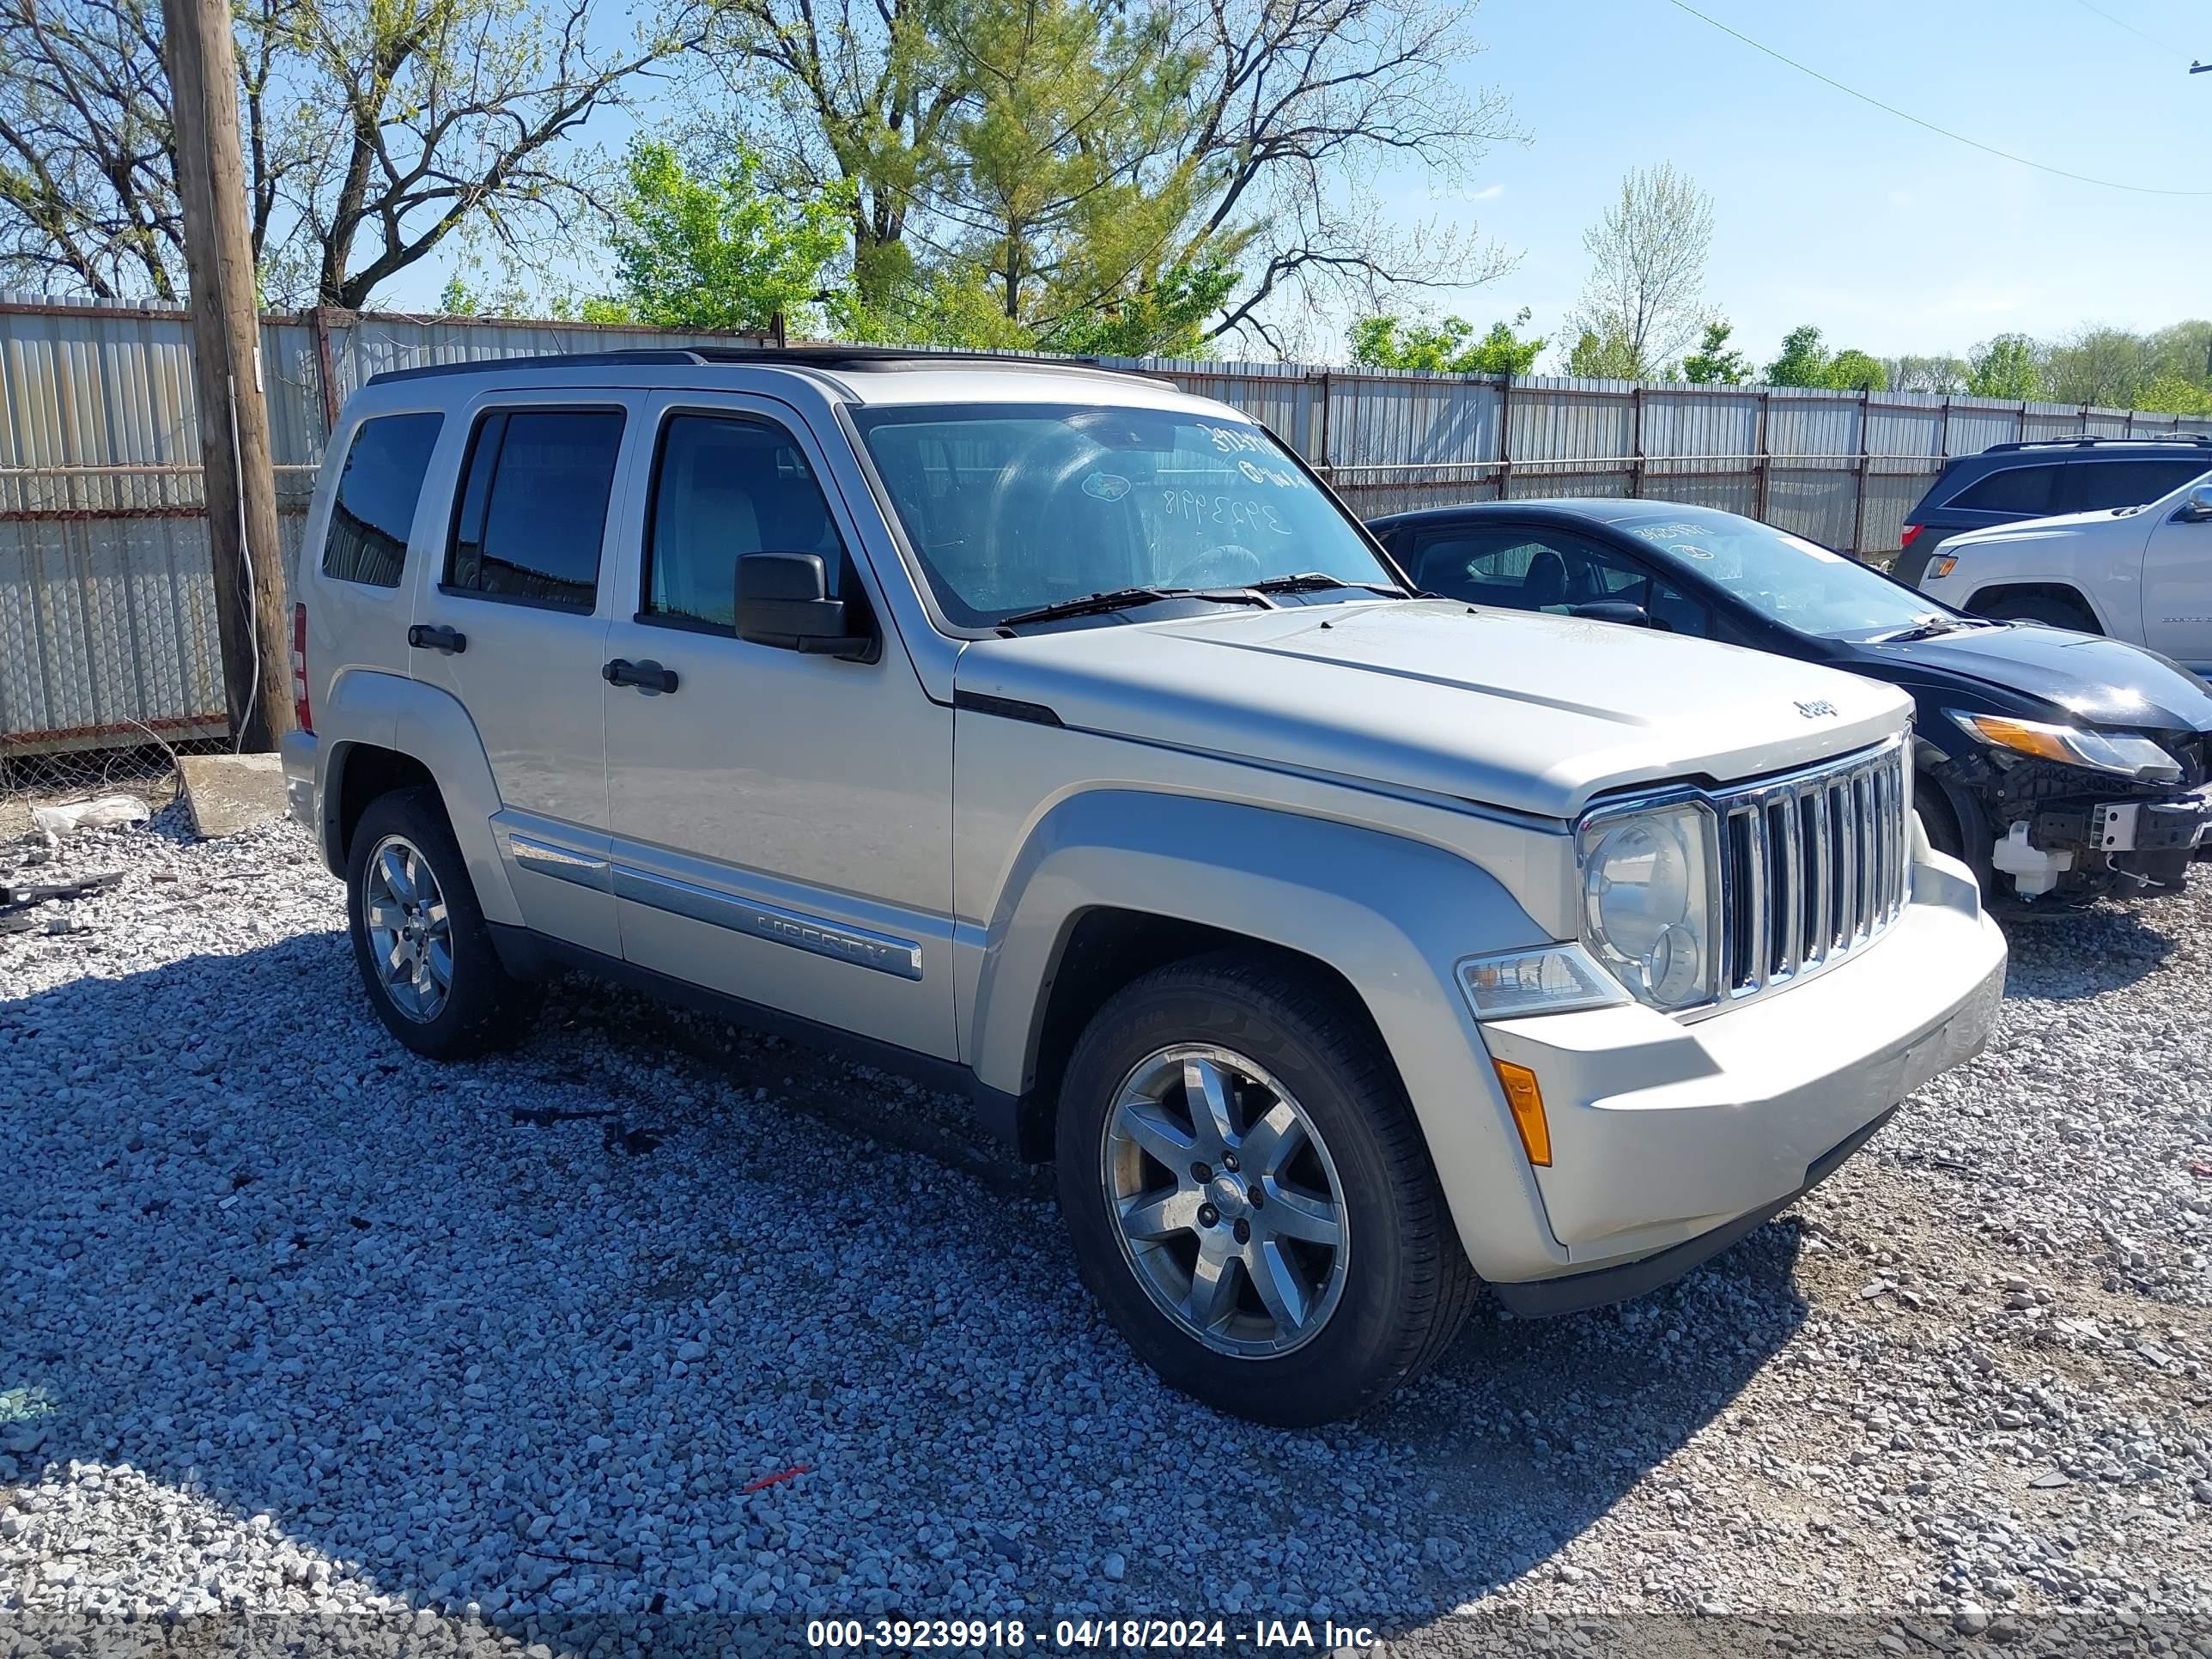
{"x":1112,"y":883}
{"x":2063,"y":593}
{"x":376,"y":732}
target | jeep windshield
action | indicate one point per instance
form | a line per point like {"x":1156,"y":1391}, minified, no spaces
{"x":1791,"y":580}
{"x":1016,"y":509}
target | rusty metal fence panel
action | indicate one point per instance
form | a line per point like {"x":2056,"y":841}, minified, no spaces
{"x":107,"y":626}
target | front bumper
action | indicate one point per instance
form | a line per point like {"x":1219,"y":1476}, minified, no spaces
{"x":1670,"y":1140}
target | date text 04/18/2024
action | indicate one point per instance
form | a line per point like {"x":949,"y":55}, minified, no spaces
{"x":1094,"y":1635}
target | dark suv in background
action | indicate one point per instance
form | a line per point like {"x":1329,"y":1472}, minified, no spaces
{"x":2036,"y":480}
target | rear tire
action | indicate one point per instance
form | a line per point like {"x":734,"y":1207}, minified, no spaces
{"x":426,"y":957}
{"x":1300,"y":1263}
{"x":2050,"y":608}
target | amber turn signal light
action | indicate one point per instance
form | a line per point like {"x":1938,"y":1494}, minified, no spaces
{"x":1527,"y":1101}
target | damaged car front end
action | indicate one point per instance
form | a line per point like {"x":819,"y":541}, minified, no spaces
{"x":2064,"y":812}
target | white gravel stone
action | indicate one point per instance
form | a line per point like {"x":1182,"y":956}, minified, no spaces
{"x":653,"y":1314}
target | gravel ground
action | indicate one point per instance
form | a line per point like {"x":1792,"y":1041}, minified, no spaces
{"x":656,"y":1316}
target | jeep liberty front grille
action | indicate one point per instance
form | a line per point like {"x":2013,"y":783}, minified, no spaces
{"x":1812,"y":866}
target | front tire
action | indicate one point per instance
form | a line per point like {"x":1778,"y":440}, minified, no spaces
{"x":426,"y":957}
{"x":1249,"y":1197}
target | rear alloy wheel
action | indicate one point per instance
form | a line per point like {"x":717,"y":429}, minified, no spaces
{"x":426,"y":957}
{"x":1249,"y":1197}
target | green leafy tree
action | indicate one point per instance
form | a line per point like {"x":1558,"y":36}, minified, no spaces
{"x":2168,"y":392}
{"x":1713,"y":363}
{"x":1607,"y":357}
{"x":719,"y":252}
{"x":2005,"y":367}
{"x":1803,"y":361}
{"x":1164,"y":318}
{"x":1445,"y":346}
{"x":2098,"y":365}
{"x":1853,"y":370}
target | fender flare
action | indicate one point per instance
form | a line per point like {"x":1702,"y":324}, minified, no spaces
{"x":1391,"y":913}
{"x":373,"y":709}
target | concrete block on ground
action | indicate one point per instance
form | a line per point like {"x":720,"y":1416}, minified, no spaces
{"x":227,"y":794}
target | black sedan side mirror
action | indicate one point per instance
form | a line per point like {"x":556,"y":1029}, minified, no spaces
{"x":2198,"y":507}
{"x":783,"y":600}
{"x":1614,"y":611}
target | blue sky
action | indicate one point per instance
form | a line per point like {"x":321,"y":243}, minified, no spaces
{"x":1826,"y":211}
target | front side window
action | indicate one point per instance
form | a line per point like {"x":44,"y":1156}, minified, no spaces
{"x":2022,"y":489}
{"x":1782,"y":577}
{"x":724,"y":487}
{"x":533,"y":508}
{"x":1526,"y":568}
{"x":376,"y":498}
{"x":1013,"y":506}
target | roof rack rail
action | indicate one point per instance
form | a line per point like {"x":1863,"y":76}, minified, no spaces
{"x":803,"y":356}
{"x":2090,"y":441}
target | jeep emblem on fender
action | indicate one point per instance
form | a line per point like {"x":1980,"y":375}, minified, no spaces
{"x":1813,"y":711}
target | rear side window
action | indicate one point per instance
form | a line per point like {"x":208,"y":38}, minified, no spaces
{"x":2022,"y":489}
{"x":533,"y":507}
{"x":2098,"y":485}
{"x":377,"y":493}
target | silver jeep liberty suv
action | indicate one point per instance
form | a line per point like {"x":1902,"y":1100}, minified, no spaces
{"x":1051,"y":733}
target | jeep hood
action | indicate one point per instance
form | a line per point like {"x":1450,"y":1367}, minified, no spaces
{"x":2102,"y":525}
{"x":1532,"y":713}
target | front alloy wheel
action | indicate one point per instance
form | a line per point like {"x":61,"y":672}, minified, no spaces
{"x":1229,"y":1209}
{"x":1247,"y":1192}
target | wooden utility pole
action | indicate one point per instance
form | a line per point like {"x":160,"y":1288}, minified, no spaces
{"x":240,"y":487}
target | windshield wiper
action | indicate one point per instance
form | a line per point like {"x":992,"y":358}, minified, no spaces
{"x":1309,"y":581}
{"x":1926,"y":628}
{"x":1123,"y":598}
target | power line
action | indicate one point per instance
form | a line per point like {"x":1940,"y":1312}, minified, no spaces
{"x":2123,"y":23}
{"x":1904,"y":115}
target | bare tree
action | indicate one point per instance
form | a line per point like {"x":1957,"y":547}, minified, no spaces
{"x":1299,"y":101}
{"x":373,"y":130}
{"x":1646,"y":291}
{"x":446,"y":110}
{"x":87,"y":195}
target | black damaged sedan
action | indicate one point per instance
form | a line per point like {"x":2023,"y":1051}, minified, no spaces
{"x":2059,"y":765}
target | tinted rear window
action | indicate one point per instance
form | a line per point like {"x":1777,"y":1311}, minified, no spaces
{"x":2097,"y":485}
{"x":2022,"y":489}
{"x":534,"y":507}
{"x":376,"y":498}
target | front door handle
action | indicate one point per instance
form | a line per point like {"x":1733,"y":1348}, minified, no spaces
{"x":646,"y":676}
{"x":451,"y":640}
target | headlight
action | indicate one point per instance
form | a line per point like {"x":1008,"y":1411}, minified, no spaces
{"x":1648,"y":901}
{"x":2123,"y":753}
{"x":1546,"y":979}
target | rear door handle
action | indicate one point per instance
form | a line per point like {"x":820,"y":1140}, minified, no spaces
{"x":451,"y":640}
{"x":647,"y":676}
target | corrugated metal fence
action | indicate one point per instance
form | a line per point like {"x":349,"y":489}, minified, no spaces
{"x":107,"y":625}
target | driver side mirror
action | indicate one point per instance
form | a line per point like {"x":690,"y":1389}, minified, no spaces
{"x":783,"y":600}
{"x":2198,"y":507}
{"x":1614,"y":611}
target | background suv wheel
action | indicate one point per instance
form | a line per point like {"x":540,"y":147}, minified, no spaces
{"x":419,"y":937}
{"x":1249,"y":1197}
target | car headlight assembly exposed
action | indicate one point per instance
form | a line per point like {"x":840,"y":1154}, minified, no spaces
{"x":1650,"y":900}
{"x":2123,"y":754}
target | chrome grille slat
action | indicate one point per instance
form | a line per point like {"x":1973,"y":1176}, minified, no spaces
{"x":1814,"y":866}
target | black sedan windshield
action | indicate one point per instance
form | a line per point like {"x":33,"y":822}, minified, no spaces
{"x":1787,"y":579}
{"x":1013,"y":508}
